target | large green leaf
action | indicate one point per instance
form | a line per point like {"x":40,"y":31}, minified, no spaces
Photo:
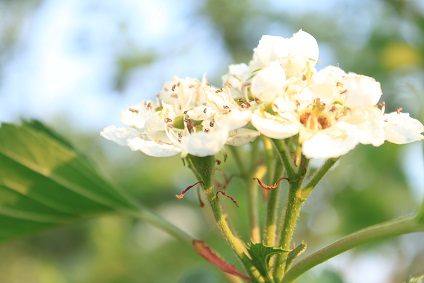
{"x":45,"y":182}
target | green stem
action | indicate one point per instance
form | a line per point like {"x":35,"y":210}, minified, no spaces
{"x":150,"y":217}
{"x":252,"y":207}
{"x":221,"y":219}
{"x":295,"y":201}
{"x":285,"y":158}
{"x":318,"y":175}
{"x":271,"y":209}
{"x":240,"y":164}
{"x":367,"y":235}
{"x":252,"y":196}
{"x":234,"y":241}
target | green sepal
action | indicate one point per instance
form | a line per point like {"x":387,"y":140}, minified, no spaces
{"x":202,"y":168}
{"x":293,"y":254}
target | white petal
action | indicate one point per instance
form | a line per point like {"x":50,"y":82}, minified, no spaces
{"x":270,"y":48}
{"x":367,"y":125}
{"x":152,"y":148}
{"x":204,"y":144}
{"x":361,"y":91}
{"x":242,"y":136}
{"x":275,"y":126}
{"x":400,"y":128}
{"x":302,"y":43}
{"x":329,"y":74}
{"x":328,"y":144}
{"x":232,"y":120}
{"x":268,"y":82}
{"x":135,"y":116}
{"x":119,"y":135}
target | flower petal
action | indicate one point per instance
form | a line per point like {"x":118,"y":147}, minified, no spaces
{"x":268,"y":82}
{"x":242,"y":136}
{"x":119,"y":135}
{"x":329,"y":144}
{"x":153,"y":148}
{"x":400,"y":128}
{"x":275,"y":126}
{"x":361,"y":91}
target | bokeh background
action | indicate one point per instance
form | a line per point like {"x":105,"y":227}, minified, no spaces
{"x":76,"y":64}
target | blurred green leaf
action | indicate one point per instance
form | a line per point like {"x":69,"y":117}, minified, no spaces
{"x":45,"y":182}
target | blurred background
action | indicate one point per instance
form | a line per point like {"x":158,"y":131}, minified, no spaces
{"x":76,"y":64}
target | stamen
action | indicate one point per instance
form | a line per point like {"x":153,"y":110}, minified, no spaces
{"x":398,"y":110}
{"x":133,"y":110}
{"x":180,"y":196}
{"x":228,"y":196}
{"x":271,"y":187}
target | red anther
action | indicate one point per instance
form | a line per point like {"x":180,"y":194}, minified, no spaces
{"x":174,"y":95}
{"x":398,"y":110}
{"x":271,"y":187}
{"x":304,"y":77}
{"x":149,"y":105}
{"x":218,"y":162}
{"x":228,"y":196}
{"x":343,"y":91}
{"x":173,"y":87}
{"x":167,"y":120}
{"x":382,"y":104}
{"x":219,"y":90}
{"x":204,"y":110}
{"x":227,"y":84}
{"x":180,"y":196}
{"x":133,"y":110}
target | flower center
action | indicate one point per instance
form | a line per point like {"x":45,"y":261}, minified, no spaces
{"x":319,"y":116}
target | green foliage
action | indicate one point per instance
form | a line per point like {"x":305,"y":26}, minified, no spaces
{"x":45,"y":182}
{"x":261,"y":255}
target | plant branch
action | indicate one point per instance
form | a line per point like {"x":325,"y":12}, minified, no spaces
{"x":367,"y":235}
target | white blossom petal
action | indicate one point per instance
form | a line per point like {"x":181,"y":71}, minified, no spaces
{"x":361,"y":91}
{"x":152,"y":148}
{"x":400,"y":128}
{"x":275,"y":126}
{"x":119,"y":135}
{"x":329,"y":144}
{"x":268,"y":82}
{"x":242,"y":136}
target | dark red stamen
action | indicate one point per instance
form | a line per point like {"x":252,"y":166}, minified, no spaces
{"x":271,"y":187}
{"x":180,"y":196}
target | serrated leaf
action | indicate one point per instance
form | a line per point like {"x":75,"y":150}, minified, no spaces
{"x":202,"y":249}
{"x":261,"y":255}
{"x":45,"y":182}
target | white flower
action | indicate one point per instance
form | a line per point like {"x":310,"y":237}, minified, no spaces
{"x":193,"y":118}
{"x":295,"y":54}
{"x":341,"y":110}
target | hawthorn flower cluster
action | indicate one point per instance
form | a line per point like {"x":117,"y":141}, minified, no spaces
{"x":279,"y":94}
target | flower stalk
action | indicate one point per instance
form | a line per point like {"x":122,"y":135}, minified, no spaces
{"x":367,"y":235}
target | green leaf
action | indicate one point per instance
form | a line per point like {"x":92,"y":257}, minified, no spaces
{"x":261,"y":255}
{"x":45,"y":182}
